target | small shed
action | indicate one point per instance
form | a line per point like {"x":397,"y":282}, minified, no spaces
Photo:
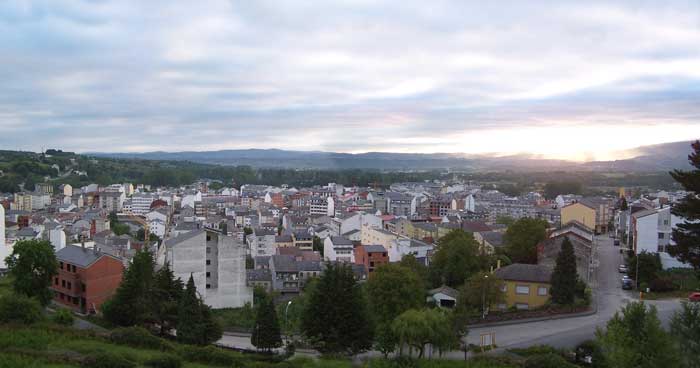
{"x":444,"y":296}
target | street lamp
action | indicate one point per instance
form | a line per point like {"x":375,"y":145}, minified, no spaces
{"x":286,"y":324}
{"x":483,"y":297}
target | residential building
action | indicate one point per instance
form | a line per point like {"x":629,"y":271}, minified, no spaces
{"x":86,"y":278}
{"x":548,"y":251}
{"x":261,"y":242}
{"x":525,"y":286}
{"x":112,"y":201}
{"x":337,"y":248}
{"x":650,"y":231}
{"x":444,"y":297}
{"x":593,"y":212}
{"x":217,"y":264}
{"x":371,"y":256}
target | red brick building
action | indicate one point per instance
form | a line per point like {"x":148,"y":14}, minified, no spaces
{"x":86,"y":278}
{"x":371,"y":256}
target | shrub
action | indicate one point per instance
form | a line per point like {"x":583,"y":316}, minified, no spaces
{"x":19,"y":309}
{"x":139,"y":337}
{"x":63,"y":317}
{"x":534,"y":350}
{"x":547,"y":361}
{"x":662,"y":284}
{"x":25,"y":338}
{"x":209,"y":355}
{"x":106,"y":360}
{"x":164,"y":361}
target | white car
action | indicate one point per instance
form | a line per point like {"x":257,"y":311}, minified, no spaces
{"x":623,"y":269}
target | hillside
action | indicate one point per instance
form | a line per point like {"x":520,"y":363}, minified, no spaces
{"x":661,"y":157}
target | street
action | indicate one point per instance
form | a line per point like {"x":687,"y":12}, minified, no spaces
{"x":560,"y":333}
{"x":569,"y":332}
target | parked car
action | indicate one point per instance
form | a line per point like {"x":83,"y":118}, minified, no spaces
{"x":623,"y":268}
{"x":626,"y":278}
{"x":627,"y":284}
{"x":616,"y":242}
{"x":694,"y":297}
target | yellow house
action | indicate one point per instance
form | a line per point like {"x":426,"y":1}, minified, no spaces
{"x":580,"y":212}
{"x":525,"y":286}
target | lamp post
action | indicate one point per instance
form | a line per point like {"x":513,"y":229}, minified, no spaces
{"x":286,"y":324}
{"x":483,"y":297}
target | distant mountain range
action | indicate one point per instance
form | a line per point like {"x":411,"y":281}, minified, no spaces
{"x":660,"y":157}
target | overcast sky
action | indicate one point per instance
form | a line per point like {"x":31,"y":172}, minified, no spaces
{"x":569,"y":80}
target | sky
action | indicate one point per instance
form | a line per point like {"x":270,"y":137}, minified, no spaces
{"x":570,"y":80}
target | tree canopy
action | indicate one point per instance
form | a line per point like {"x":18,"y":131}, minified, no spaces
{"x":393,"y":289}
{"x":635,"y":339}
{"x":481,"y":291}
{"x":522,"y":237}
{"x":131,"y":303}
{"x":266,"y":331}
{"x":336,"y":318}
{"x":456,"y":257}
{"x":564,"y":277}
{"x":685,"y":328}
{"x":33,"y":264}
{"x":686,"y":235}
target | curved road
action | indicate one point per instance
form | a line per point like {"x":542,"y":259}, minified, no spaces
{"x":560,"y":333}
{"x":569,"y":332}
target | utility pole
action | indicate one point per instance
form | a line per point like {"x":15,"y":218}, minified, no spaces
{"x":483,"y":297}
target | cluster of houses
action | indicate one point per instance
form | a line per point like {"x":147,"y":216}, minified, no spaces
{"x":233,"y":240}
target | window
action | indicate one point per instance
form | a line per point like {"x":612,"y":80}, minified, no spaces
{"x":208,"y":262}
{"x":208,"y":274}
{"x":522,"y":290}
{"x":208,"y":286}
{"x":63,"y":283}
{"x":69,"y":285}
{"x":83,"y":287}
{"x":208,"y":250}
{"x":661,"y":235}
{"x":55,"y":281}
{"x":542,"y":291}
{"x":60,"y":265}
{"x":522,"y":306}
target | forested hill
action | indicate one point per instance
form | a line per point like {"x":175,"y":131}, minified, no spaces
{"x":24,"y":169}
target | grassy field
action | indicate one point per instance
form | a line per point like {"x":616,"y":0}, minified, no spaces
{"x":50,"y":345}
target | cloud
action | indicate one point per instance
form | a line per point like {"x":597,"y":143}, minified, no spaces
{"x":449,"y":76}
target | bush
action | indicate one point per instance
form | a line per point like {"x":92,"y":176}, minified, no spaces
{"x":209,"y":355}
{"x":547,"y":361}
{"x":662,"y":284}
{"x":164,"y":361}
{"x":534,"y":350}
{"x":63,"y":317}
{"x":19,"y":309}
{"x":139,"y":337}
{"x":106,"y":360}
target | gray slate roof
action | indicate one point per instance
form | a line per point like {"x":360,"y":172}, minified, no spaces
{"x":182,"y":237}
{"x":525,"y":272}
{"x":339,"y":240}
{"x":374,"y":248}
{"x":79,"y":256}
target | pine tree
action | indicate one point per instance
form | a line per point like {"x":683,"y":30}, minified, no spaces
{"x":687,"y":235}
{"x":189,"y":316}
{"x":131,"y":304}
{"x":266,"y":332}
{"x":195,"y":323}
{"x":335,"y":318}
{"x":166,"y":295}
{"x":564,"y":276}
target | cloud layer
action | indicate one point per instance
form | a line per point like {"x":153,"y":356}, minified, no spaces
{"x":565,"y":79}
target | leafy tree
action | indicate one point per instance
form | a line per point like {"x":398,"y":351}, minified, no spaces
{"x":385,"y":340}
{"x":409,"y":261}
{"x":482,"y":290}
{"x":266,"y":332}
{"x":564,"y":277}
{"x":140,"y":235}
{"x":131,"y":304}
{"x":649,"y":267}
{"x":317,"y":244}
{"x":505,"y":220}
{"x":687,"y":234}
{"x":553,"y":189}
{"x":456,"y":258}
{"x":635,"y":339}
{"x":120,"y":229}
{"x":166,"y":291}
{"x":623,"y":204}
{"x":32,"y":266}
{"x":522,"y":238}
{"x":685,"y":327}
{"x":417,"y":328}
{"x":337,"y":327}
{"x":392,"y":290}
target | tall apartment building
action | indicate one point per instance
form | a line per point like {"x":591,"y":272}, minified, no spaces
{"x":141,"y":203}
{"x":217,"y":264}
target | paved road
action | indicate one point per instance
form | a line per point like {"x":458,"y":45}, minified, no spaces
{"x":571,"y":331}
{"x":561,"y":333}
